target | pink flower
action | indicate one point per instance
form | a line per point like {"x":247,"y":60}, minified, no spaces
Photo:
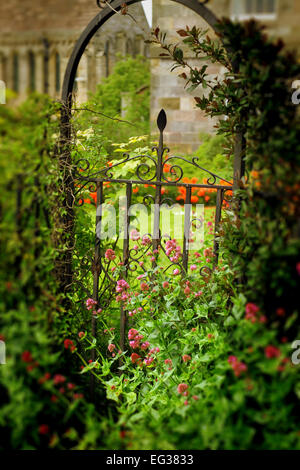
{"x":232,"y":359}
{"x":68,"y":344}
{"x":193,"y":267}
{"x":59,"y":379}
{"x":272,"y":351}
{"x":135,"y":235}
{"x":90,"y":303}
{"x":187,"y":290}
{"x":251,"y":308}
{"x":44,"y":429}
{"x":110,"y":254}
{"x":251,"y":311}
{"x":134,"y":357}
{"x":186,"y":357}
{"x":144,"y":287}
{"x":132,"y":333}
{"x":176,"y":272}
{"x":26,"y":356}
{"x":262,"y":319}
{"x":168,"y":362}
{"x":195,"y":397}
{"x":111,"y":347}
{"x":182,"y":388}
{"x":197,"y":294}
{"x":165,"y":284}
{"x":145,"y":345}
{"x":146,"y":240}
{"x":237,"y":366}
{"x":148,"y":361}
{"x":81,"y":334}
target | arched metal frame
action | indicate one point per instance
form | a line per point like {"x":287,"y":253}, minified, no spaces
{"x":99,"y":21}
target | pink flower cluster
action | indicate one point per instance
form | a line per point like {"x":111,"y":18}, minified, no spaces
{"x":238,"y":366}
{"x":110,"y":254}
{"x":135,"y":342}
{"x":121,"y":288}
{"x":252,"y":313}
{"x":133,"y":312}
{"x":146,"y":240}
{"x":272,"y":351}
{"x":135,"y":235}
{"x":173,"y":251}
{"x":134,"y":338}
{"x":90,"y":303}
{"x":186,"y":358}
{"x":183,"y":389}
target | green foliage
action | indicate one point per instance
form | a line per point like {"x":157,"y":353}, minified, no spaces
{"x":130,"y":81}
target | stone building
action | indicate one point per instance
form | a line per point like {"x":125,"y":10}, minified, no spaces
{"x":36,"y":40}
{"x":185,"y":122}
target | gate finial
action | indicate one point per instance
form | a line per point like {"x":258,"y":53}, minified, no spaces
{"x":161,"y":120}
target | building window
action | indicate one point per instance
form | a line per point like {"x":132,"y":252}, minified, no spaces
{"x":261,"y":9}
{"x":57,"y":72}
{"x":15,"y":74}
{"x":32,"y":84}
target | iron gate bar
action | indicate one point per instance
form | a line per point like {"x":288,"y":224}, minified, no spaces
{"x":125,"y":261}
{"x":157,"y":183}
{"x":187,"y":215}
{"x":219,"y":202}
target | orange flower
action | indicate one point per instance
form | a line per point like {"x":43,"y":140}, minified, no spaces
{"x":194,"y":199}
{"x":166,"y":168}
{"x":94,"y":196}
{"x":135,"y":190}
{"x":201,"y":192}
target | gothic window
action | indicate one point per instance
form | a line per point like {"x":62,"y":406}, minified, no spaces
{"x":57,"y":72}
{"x":15,"y":74}
{"x":32,"y":71}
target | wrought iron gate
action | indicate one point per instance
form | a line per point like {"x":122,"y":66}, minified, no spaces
{"x":149,"y":171}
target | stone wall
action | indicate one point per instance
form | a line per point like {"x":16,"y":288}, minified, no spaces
{"x":185,"y":122}
{"x":47,"y":31}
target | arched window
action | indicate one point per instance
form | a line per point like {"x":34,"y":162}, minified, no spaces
{"x":32,"y":83}
{"x":15,"y":74}
{"x":57,"y":72}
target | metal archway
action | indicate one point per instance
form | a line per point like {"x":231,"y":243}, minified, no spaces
{"x":64,"y":156}
{"x":99,"y":20}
